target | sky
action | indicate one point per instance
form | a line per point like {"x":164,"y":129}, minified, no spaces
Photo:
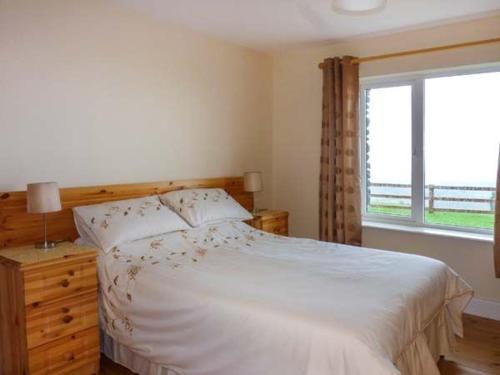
{"x":462,"y":131}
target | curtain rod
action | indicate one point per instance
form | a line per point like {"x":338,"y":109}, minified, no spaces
{"x":423,"y":50}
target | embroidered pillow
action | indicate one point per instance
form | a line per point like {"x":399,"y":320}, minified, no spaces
{"x":86,"y":235}
{"x":205,"y":206}
{"x":112,"y":223}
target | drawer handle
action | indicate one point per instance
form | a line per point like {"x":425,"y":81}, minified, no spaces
{"x":67,"y":319}
{"x":65,"y":283}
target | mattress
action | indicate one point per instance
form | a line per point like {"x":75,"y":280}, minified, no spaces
{"x":226,"y":299}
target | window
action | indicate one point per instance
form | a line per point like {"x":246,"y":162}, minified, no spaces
{"x":430,"y":149}
{"x":388,"y":145}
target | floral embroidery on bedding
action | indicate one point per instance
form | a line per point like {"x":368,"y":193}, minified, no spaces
{"x":158,"y":253}
{"x":117,"y":211}
{"x":114,"y":323}
{"x":214,"y":195}
{"x":243,"y":236}
{"x":119,"y":319}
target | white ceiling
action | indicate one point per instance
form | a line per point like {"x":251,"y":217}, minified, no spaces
{"x":269,"y":24}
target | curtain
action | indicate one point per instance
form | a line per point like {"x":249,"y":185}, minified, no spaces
{"x":496,"y":246}
{"x":339,"y":192}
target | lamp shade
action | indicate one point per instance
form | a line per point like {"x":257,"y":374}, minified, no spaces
{"x":43,"y":197}
{"x":253,"y":181}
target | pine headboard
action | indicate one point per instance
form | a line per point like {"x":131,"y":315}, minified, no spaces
{"x":18,"y":228}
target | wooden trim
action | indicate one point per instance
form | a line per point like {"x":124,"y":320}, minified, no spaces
{"x":18,"y":228}
{"x":422,"y":50}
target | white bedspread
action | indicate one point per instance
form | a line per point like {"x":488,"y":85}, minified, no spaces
{"x":230,"y":300}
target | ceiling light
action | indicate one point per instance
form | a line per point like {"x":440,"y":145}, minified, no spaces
{"x":356,"y":7}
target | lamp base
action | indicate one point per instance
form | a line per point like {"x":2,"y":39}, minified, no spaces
{"x":45,"y":245}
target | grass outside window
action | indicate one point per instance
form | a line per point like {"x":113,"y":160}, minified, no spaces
{"x":455,"y":219}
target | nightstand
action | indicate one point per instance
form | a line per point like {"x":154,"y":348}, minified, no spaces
{"x":49,"y":317}
{"x":272,"y":221}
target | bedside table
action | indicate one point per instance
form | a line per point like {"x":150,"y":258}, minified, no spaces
{"x":49,"y":316}
{"x":272,"y":221}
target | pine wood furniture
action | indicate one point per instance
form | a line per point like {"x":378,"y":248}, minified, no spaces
{"x":48,"y":311}
{"x":272,"y":221}
{"x":17,"y":227}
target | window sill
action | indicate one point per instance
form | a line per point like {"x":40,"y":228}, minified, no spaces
{"x":488,"y":238}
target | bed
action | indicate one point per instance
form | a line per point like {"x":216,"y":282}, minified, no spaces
{"x":229,"y":299}
{"x":226,"y":299}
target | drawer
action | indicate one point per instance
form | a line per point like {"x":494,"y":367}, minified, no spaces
{"x":256,"y":223}
{"x":77,"y":354}
{"x":50,"y":322}
{"x":59,"y":281}
{"x":277,"y":225}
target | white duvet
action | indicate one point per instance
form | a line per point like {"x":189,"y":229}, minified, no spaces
{"x":227,"y":299}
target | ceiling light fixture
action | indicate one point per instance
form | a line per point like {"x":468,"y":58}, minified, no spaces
{"x":358,"y":7}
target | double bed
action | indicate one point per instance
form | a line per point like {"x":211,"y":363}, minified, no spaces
{"x":210,"y":295}
{"x":229,"y":299}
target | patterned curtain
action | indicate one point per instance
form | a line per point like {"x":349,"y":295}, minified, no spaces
{"x":339,"y":192}
{"x":496,"y":246}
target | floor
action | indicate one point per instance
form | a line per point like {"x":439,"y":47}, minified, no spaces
{"x":477,"y":354}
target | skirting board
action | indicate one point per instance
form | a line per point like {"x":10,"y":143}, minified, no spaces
{"x":484,"y":308}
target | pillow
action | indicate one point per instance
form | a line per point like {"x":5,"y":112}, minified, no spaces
{"x":112,"y":223}
{"x":205,"y":206}
{"x":86,"y":235}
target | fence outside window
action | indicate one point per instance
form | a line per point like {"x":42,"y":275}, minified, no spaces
{"x":435,"y":194}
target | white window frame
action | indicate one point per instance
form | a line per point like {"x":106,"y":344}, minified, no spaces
{"x":417,"y":82}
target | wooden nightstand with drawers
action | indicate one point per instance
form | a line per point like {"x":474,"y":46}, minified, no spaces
{"x":48,"y":311}
{"x":272,"y":221}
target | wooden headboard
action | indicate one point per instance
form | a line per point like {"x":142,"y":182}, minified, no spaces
{"x":17,"y":227}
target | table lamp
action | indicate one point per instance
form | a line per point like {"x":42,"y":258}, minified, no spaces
{"x":252,"y":182}
{"x":43,"y":198}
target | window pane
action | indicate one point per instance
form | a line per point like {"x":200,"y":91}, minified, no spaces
{"x":462,"y":135}
{"x":388,"y":150}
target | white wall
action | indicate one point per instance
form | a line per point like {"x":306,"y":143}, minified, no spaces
{"x":297,"y":132}
{"x":93,"y":92}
